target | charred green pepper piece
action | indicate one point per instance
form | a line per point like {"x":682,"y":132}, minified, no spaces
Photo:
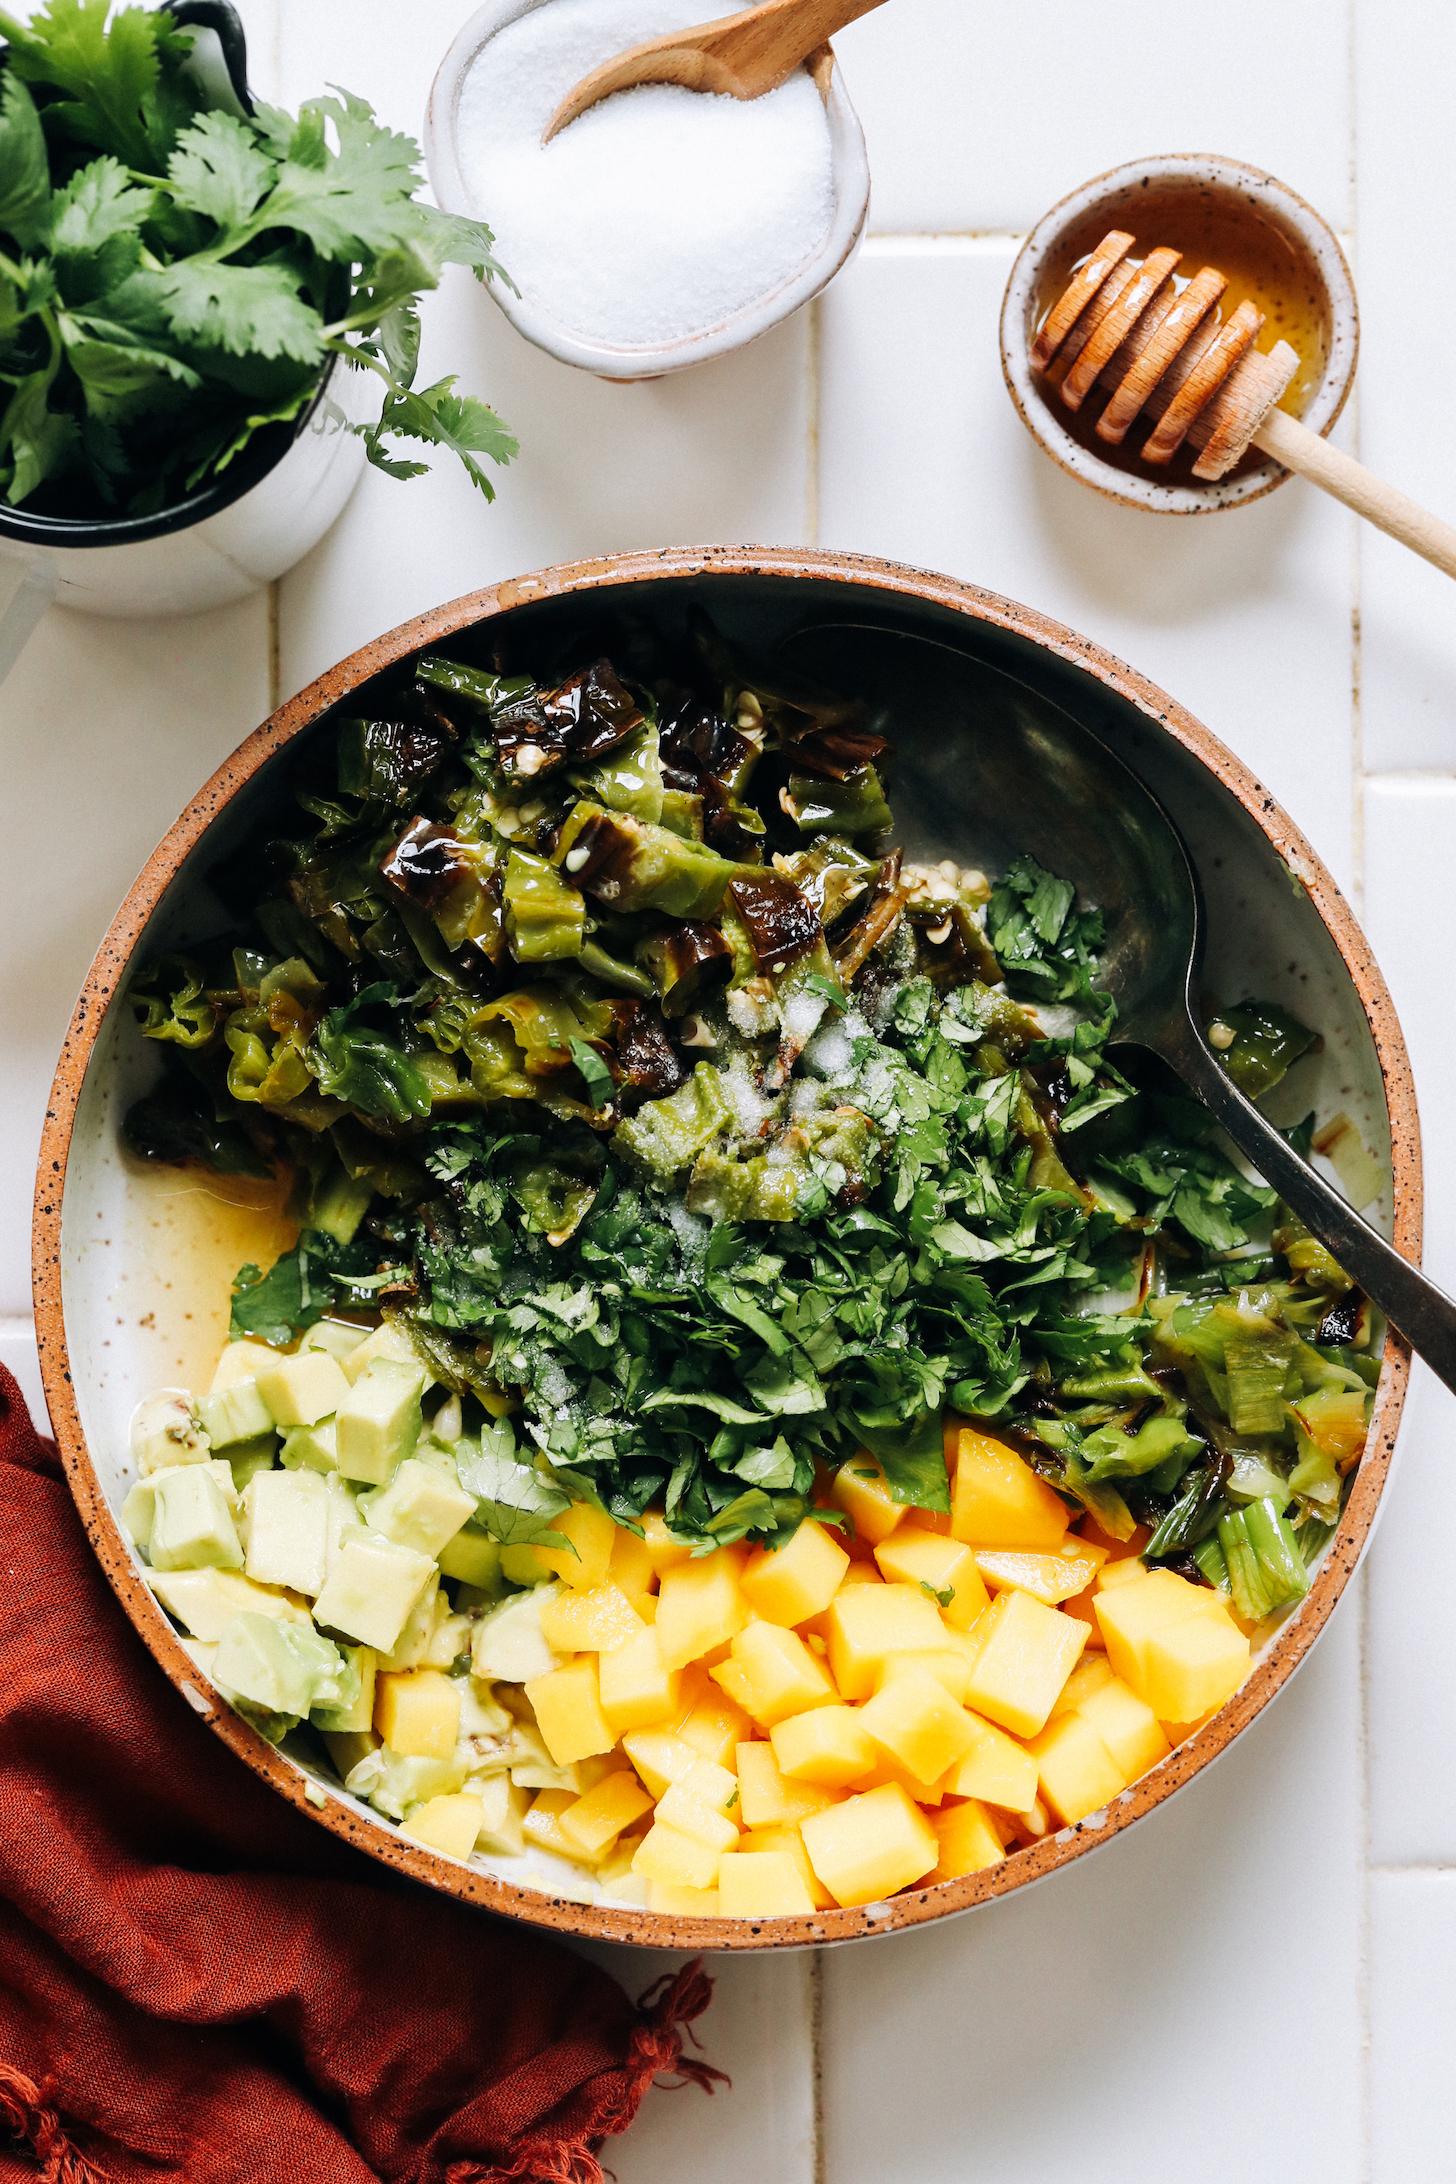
{"x":1266,"y":1041}
{"x":684,"y":961}
{"x":854,"y":805}
{"x":667,"y":1135}
{"x":545,"y":914}
{"x":780,"y":921}
{"x":448,"y":877}
{"x":630,"y":864}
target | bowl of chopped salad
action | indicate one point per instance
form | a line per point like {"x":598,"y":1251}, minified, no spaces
{"x":619,"y":1320}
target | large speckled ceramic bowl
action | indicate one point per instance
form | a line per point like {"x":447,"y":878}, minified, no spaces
{"x":132,"y":1268}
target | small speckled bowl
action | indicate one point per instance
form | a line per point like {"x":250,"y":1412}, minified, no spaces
{"x":1070,"y":230}
{"x":851,"y":176}
{"x":132,"y":1266}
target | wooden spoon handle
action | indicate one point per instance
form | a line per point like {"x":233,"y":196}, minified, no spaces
{"x":1390,"y":510}
{"x":764,"y":46}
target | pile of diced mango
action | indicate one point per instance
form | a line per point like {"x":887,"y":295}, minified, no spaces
{"x":829,"y":1721}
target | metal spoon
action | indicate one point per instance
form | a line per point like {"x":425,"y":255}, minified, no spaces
{"x":1024,"y":776}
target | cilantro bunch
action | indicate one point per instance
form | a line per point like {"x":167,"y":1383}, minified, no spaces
{"x":175,"y":277}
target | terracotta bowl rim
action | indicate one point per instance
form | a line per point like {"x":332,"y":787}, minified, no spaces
{"x":108,"y":972}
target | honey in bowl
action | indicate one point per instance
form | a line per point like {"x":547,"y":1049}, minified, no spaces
{"x":1264,"y":262}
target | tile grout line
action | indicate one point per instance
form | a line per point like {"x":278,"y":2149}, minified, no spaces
{"x":818,"y":2150}
{"x":1357,"y":856}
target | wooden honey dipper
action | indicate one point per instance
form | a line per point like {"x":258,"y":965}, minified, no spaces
{"x":1164,"y":350}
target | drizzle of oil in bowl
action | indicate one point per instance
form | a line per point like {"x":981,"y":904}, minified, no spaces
{"x":193,"y":1231}
{"x":1216,"y":226}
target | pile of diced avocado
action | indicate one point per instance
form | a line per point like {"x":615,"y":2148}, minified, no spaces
{"x":888,"y":1698}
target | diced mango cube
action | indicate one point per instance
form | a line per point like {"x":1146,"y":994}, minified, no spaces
{"x":789,"y":1584}
{"x":597,"y":1819}
{"x":699,"y":1606}
{"x":503,"y":1805}
{"x":1125,"y":1570}
{"x":710,"y":1720}
{"x":1090,"y":1674}
{"x":449,"y":1824}
{"x":1052,"y":1577}
{"x":542,"y":1826}
{"x":913,"y":1556}
{"x":998,"y":1500}
{"x":679,"y":1808}
{"x":1025,"y":1653}
{"x":417,"y":1712}
{"x":771,"y":1674}
{"x":914,"y":1718}
{"x":871,"y":1845}
{"x":660,"y":1757}
{"x":568,"y":1709}
{"x":1130,"y":1611}
{"x":767,"y":1799}
{"x":1127,"y":1726}
{"x":762,"y":1884}
{"x":674,"y":1901}
{"x":860,"y":1490}
{"x":995,"y":1769}
{"x":1193,"y":1666}
{"x":636,"y":1689}
{"x":949,"y":1664}
{"x":829,"y":1745}
{"x":967,"y":1841}
{"x":590,"y":1621}
{"x":1076,"y":1772}
{"x":791,"y":1842}
{"x":680,"y":1861}
{"x":664,"y":1550}
{"x":712,"y":1784}
{"x":868,"y":1624}
{"x":631,"y":1567}
{"x":583,"y":1562}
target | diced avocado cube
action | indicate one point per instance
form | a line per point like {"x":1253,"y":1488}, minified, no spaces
{"x":450,"y":1639}
{"x":235,"y":1413}
{"x":472,"y":1557}
{"x":138,"y":1511}
{"x":412,"y":1646}
{"x":284,"y":1667}
{"x":205,"y":1601}
{"x":192,"y":1522}
{"x":247,"y":1458}
{"x":301,"y":1389}
{"x":503,"y":1807}
{"x":240,"y":1361}
{"x":390,"y":1343}
{"x":353,"y":1709}
{"x":371,"y":1587}
{"x":166,"y":1431}
{"x":393,"y":1782}
{"x":311,"y":1448}
{"x":347,"y":1747}
{"x":508,"y":1646}
{"x":523,"y":1566}
{"x":338,"y":1337}
{"x":379,"y":1421}
{"x":285,"y":1530}
{"x":423,"y":1506}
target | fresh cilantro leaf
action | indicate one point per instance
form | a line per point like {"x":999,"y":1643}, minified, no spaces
{"x":358,"y":202}
{"x":220,"y":170}
{"x":35,"y":441}
{"x":25,"y":176}
{"x":98,"y":204}
{"x":445,"y":419}
{"x":111,"y":72}
{"x":248,"y":310}
{"x":942,"y":1595}
{"x":514,"y":1503}
{"x":298,"y":1289}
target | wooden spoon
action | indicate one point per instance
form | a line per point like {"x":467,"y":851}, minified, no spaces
{"x":1167,"y":354}
{"x":742,"y":55}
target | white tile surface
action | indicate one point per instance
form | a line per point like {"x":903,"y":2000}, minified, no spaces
{"x":1412,"y":2006}
{"x":1404,"y":193}
{"x":1246,"y":617}
{"x":1168,"y":2006}
{"x":982,"y":117}
{"x":761,"y":2126}
{"x":1213,"y":1965}
{"x":1409,"y":830}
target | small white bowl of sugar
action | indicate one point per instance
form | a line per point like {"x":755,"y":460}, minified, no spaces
{"x":664,"y":226}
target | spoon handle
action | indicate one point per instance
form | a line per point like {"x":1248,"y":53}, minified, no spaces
{"x":1421,"y":1312}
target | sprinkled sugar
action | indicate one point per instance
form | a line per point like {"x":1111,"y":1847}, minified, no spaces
{"x":661,"y":213}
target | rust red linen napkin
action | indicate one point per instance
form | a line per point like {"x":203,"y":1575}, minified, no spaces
{"x":197,"y":1984}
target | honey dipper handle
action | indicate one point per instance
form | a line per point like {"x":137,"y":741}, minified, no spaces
{"x":1388,"y":509}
